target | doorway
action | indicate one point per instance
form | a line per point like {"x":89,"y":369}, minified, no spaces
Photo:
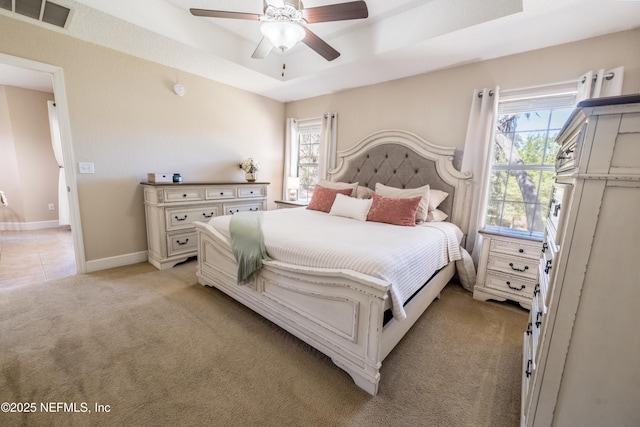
{"x":58,"y":250}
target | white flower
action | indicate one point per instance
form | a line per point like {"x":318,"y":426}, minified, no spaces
{"x":249,"y":165}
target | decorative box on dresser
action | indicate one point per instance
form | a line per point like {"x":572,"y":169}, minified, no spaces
{"x":171,"y":209}
{"x":507,"y":268}
{"x":582,"y":348}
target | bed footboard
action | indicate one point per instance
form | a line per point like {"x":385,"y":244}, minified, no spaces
{"x":338,"y":312}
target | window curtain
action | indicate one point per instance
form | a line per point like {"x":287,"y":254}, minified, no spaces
{"x":477,"y":149}
{"x":328,"y":144}
{"x":480,"y":130}
{"x":56,"y":143}
{"x":290,"y":159}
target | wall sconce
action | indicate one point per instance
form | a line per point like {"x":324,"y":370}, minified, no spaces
{"x":293,"y":185}
{"x":179,"y":89}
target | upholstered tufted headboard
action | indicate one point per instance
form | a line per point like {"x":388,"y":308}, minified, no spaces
{"x":404,"y":160}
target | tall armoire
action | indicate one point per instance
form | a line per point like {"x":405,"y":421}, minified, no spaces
{"x":581,"y":364}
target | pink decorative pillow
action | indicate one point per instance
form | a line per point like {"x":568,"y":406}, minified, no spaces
{"x":323,"y":198}
{"x":394,"y":211}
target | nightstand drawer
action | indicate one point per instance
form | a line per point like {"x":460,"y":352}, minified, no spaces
{"x":510,"y":247}
{"x":183,"y":195}
{"x":179,"y":218}
{"x":513,"y":266}
{"x":513,"y":285}
{"x":182,"y":243}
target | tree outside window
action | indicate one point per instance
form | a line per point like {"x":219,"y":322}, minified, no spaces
{"x":522,"y":170}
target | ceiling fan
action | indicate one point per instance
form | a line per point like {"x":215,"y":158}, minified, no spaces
{"x":284,"y":23}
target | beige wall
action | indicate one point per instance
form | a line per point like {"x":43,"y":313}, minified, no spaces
{"x":436,"y":105}
{"x":29,"y":172}
{"x":126,"y":119}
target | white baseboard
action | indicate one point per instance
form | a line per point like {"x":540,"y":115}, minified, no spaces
{"x":23,"y":226}
{"x":116,"y":261}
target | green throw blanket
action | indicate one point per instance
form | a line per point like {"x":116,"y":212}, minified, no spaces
{"x":247,"y":243}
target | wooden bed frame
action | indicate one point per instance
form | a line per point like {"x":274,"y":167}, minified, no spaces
{"x":340,"y":312}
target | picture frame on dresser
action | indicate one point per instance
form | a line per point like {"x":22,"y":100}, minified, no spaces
{"x":172,"y":208}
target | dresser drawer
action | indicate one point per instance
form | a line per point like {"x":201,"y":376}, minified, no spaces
{"x":219,"y":193}
{"x":514,"y":266}
{"x":180,"y":243}
{"x":187,"y":194}
{"x":513,"y":285}
{"x":246,"y":192}
{"x":244,"y":207}
{"x":179,"y":218}
{"x":512,"y":247}
{"x":569,"y":153}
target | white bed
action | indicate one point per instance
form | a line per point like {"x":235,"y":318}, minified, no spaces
{"x":333,"y":295}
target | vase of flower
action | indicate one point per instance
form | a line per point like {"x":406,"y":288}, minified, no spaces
{"x":250,"y":167}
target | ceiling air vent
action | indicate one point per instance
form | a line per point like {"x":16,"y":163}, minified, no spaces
{"x":44,"y":11}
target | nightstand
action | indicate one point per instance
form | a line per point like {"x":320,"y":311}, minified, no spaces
{"x":508,"y":268}
{"x":286,"y":204}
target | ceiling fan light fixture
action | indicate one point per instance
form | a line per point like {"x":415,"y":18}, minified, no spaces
{"x":282,"y":34}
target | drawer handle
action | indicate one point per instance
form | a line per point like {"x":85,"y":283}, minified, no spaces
{"x":521,"y":250}
{"x":538,"y":319}
{"x":526,"y":267}
{"x":556,"y":209}
{"x":548,"y":266}
{"x":528,"y":370}
{"x":513,"y":287}
{"x":251,"y":192}
{"x":181,"y":219}
{"x":207,"y":216}
{"x":184,"y":195}
{"x":221,"y":193}
{"x":254,"y":210}
{"x":529,"y":331}
{"x":545,"y":245}
{"x":182,"y":243}
{"x":536,"y":290}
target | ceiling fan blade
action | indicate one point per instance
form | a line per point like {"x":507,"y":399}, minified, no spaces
{"x":275,"y":3}
{"x":319,"y":45}
{"x":263,"y":49}
{"x":336,"y":12}
{"x":223,"y":14}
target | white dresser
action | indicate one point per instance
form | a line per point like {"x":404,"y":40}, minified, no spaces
{"x":507,"y":268}
{"x":581,"y":362}
{"x":171,"y":209}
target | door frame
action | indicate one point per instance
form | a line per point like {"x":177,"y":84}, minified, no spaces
{"x":60,"y":96}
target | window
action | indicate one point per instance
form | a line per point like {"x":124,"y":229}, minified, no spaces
{"x":523,"y":161}
{"x":308,"y":158}
{"x":310,"y":154}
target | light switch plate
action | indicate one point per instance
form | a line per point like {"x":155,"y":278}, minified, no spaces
{"x":85,"y":167}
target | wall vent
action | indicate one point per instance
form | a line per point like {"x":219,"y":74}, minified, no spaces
{"x":42,"y":10}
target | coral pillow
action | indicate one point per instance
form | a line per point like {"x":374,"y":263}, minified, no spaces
{"x":323,"y":198}
{"x":406,"y":193}
{"x":394,"y":211}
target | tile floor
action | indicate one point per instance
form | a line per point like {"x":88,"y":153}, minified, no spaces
{"x":36,"y":255}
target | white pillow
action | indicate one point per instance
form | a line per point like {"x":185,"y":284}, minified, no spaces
{"x":350,"y":207}
{"x":339,"y":185}
{"x":435,"y":198}
{"x":406,"y":193}
{"x":364,"y":192}
{"x":436,"y":215}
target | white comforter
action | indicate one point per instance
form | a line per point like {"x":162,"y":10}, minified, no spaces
{"x":406,"y":257}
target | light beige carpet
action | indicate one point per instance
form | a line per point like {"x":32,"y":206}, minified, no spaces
{"x":159,"y":349}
